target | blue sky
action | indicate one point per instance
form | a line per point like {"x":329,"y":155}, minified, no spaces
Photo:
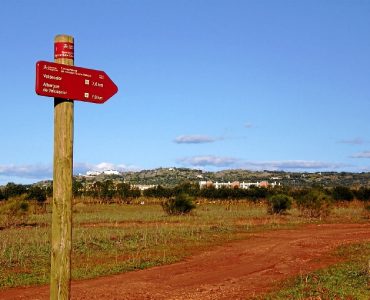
{"x":208,"y":84}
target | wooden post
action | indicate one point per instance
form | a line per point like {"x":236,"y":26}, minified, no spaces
{"x":61,"y":243}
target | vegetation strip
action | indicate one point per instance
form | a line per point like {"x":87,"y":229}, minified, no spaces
{"x":347,"y":280}
{"x":101,"y":250}
{"x":160,"y":225}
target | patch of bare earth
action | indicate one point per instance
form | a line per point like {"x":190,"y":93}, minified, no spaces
{"x":237,"y":270}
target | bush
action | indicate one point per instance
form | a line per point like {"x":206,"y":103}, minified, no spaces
{"x":36,"y":193}
{"x":181,"y":204}
{"x":342,"y":193}
{"x":362,"y":194}
{"x":13,"y":190}
{"x":315,"y":204}
{"x":2,"y":195}
{"x":279,"y":203}
{"x":157,"y":192}
{"x":14,"y":212}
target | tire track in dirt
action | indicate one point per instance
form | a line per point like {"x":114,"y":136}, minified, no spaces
{"x":237,"y":270}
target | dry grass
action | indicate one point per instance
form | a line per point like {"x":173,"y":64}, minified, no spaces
{"x":115,"y":238}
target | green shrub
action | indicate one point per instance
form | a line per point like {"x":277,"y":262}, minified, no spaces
{"x":14,"y":212}
{"x":2,"y":195}
{"x":342,"y":193}
{"x":12,"y":190}
{"x":315,"y":204}
{"x":362,"y":194}
{"x":36,"y":193}
{"x":279,"y":203}
{"x":181,"y":204}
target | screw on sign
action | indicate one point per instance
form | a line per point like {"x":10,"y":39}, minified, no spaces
{"x":69,"y":82}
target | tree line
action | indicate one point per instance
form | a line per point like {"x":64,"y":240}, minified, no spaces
{"x":30,"y":192}
{"x":108,"y":190}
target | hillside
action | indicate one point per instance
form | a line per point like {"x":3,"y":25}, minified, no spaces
{"x":173,"y":176}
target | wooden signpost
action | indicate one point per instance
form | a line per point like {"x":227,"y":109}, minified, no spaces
{"x":66,"y":83}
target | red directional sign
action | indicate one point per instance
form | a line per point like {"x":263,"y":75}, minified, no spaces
{"x":74,"y":83}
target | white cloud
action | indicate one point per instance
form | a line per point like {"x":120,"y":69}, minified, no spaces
{"x":194,"y":139}
{"x":354,"y":141}
{"x":26,"y":171}
{"x":248,"y":125}
{"x":292,"y":165}
{"x":29,"y":173}
{"x":103,"y":166}
{"x":364,"y":154}
{"x":208,"y":160}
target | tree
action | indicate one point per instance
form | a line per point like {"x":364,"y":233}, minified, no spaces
{"x":158,"y":192}
{"x":255,"y":193}
{"x":107,"y":190}
{"x":95,"y":190}
{"x":187,"y":188}
{"x":208,"y":192}
{"x":77,"y":188}
{"x":49,"y":190}
{"x":2,"y":195}
{"x":135,"y":192}
{"x":123,"y":190}
{"x":181,"y":204}
{"x":36,"y":193}
{"x":13,"y":190}
{"x":279,"y":203}
{"x":342,"y":193}
{"x":316,"y":203}
{"x":362,"y":194}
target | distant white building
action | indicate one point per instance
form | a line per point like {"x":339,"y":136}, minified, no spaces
{"x":106,"y":172}
{"x":222,"y":184}
{"x":143,"y":187}
{"x":111,"y":172}
{"x":93,"y":173}
{"x":236,"y":184}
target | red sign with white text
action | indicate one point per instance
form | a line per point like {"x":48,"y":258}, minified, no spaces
{"x":64,"y":50}
{"x":74,"y":83}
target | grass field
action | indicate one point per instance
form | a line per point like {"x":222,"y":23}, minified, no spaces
{"x":347,"y":280}
{"x":114,"y":238}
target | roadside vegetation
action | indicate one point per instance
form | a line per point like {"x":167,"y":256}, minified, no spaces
{"x":278,"y":204}
{"x":119,"y":229}
{"x":346,"y":280}
{"x":179,"y":205}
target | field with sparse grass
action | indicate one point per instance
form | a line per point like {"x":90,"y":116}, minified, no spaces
{"x":109,"y":239}
{"x":349,"y":279}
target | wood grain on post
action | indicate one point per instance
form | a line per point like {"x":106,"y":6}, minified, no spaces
{"x":60,"y":276}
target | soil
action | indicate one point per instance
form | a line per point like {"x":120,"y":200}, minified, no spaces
{"x":237,"y":270}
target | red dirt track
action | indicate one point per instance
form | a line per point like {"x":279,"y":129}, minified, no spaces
{"x":237,"y":270}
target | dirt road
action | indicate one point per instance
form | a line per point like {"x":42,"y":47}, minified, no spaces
{"x":237,"y":270}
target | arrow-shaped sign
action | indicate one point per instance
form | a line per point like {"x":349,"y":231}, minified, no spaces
{"x":74,"y":83}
